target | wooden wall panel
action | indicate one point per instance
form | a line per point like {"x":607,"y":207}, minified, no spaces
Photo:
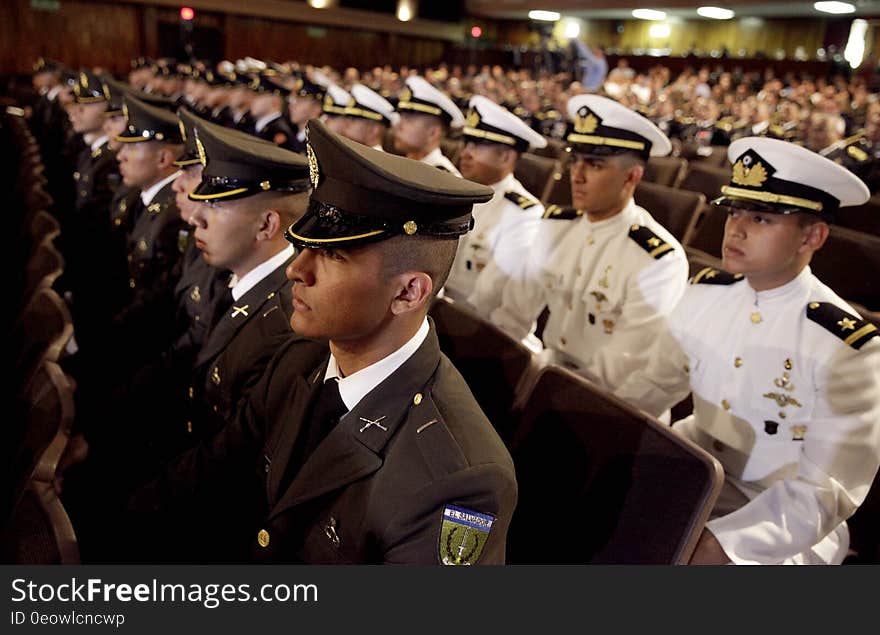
{"x":79,"y":33}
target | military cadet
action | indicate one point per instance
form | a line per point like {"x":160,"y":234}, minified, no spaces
{"x":426,"y":115}
{"x":86,"y":239}
{"x":505,"y":227}
{"x":268,"y":112}
{"x":151,"y":143}
{"x":240,"y":98}
{"x":606,"y":270}
{"x":250,"y":192}
{"x":369,"y":117}
{"x":305,"y":102}
{"x":378,"y":454}
{"x":335,"y":102}
{"x":858,"y":155}
{"x":785,"y":375}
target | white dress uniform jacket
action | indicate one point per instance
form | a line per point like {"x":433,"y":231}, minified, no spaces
{"x":609,"y":286}
{"x":786,"y":389}
{"x":495,"y":250}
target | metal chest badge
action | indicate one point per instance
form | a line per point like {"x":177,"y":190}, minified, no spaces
{"x":463,"y":535}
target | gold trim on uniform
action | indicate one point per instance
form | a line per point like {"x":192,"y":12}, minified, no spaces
{"x":770,"y":197}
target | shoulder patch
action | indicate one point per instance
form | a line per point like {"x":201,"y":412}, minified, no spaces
{"x":463,"y":534}
{"x":562,"y":212}
{"x":710,"y":275}
{"x":853,"y":331}
{"x":857,"y":153}
{"x":442,"y":167}
{"x":522,"y":201}
{"x":650,"y":242}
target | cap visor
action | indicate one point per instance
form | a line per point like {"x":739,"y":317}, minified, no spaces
{"x":333,"y":230}
{"x":210,"y":192}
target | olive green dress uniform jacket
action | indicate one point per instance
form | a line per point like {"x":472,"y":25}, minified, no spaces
{"x":242,"y":340}
{"x":369,"y":493}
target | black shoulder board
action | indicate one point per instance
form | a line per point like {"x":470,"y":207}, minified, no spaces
{"x":523,"y":201}
{"x":442,"y":167}
{"x":853,"y":331}
{"x":559,"y":212}
{"x":710,"y":275}
{"x":650,"y":242}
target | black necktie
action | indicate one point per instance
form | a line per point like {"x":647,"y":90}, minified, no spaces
{"x":325,"y":414}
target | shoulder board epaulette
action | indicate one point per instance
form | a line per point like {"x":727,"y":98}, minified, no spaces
{"x":562,"y":212}
{"x":522,"y":201}
{"x":724,"y":126}
{"x":155,"y":208}
{"x":853,"y":331}
{"x":442,"y":167}
{"x":857,"y":153}
{"x":649,"y":241}
{"x":710,"y":275}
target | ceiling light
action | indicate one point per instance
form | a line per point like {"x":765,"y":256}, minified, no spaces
{"x":659,"y":30}
{"x":716,"y":13}
{"x":834,"y":7}
{"x":404,"y":11}
{"x":648,"y":14}
{"x":546,"y":16}
{"x":572,"y":28}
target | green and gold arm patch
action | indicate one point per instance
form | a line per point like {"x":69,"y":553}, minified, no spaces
{"x":463,"y":535}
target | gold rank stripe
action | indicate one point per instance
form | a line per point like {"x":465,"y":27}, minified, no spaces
{"x":186,"y":162}
{"x":853,"y":337}
{"x":489,"y":136}
{"x":659,"y":250}
{"x":90,"y":100}
{"x":361,"y":112}
{"x":208,"y":197}
{"x":605,"y":141}
{"x":410,"y":105}
{"x":770,"y":197}
{"x":306,"y":239}
{"x":702,"y":274}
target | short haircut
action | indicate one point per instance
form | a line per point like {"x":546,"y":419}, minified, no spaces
{"x":291,"y":206}
{"x":433,"y":256}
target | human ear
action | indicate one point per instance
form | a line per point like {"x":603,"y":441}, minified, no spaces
{"x":414,"y":290}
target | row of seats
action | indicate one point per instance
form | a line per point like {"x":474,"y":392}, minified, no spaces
{"x":36,"y":442}
{"x":631,"y":490}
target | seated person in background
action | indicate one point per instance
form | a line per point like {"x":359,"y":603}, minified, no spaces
{"x":607,"y":271}
{"x":496,"y":251}
{"x":785,"y":375}
{"x":379,"y":452}
{"x":426,"y":115}
{"x":369,"y":116}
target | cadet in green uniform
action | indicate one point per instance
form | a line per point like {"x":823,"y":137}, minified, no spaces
{"x":378,"y":453}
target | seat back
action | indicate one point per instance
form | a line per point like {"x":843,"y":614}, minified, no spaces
{"x":43,"y":268}
{"x":451,"y":149}
{"x":559,"y":190}
{"x":42,"y":333}
{"x":849,"y":263}
{"x":705,"y":179}
{"x":864,"y":218}
{"x":626,"y":488}
{"x":554,"y":149}
{"x":535,"y":173}
{"x":708,"y":231}
{"x":667,"y":171}
{"x":676,"y":210}
{"x":492,"y":363}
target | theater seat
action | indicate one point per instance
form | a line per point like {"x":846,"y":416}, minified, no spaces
{"x":706,"y":179}
{"x":667,"y":171}
{"x":451,"y":149}
{"x":559,"y":192}
{"x":601,"y":482}
{"x":554,"y":149}
{"x":676,"y":210}
{"x":708,"y":232}
{"x":863,"y":218}
{"x":535,"y":173}
{"x":849,"y":263}
{"x":41,"y":333}
{"x":492,"y":363}
{"x":44,"y":267}
{"x":32,"y":452}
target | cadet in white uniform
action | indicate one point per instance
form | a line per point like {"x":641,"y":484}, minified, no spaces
{"x":369,"y":117}
{"x":785,"y":375}
{"x":426,"y":115}
{"x":495,"y":252}
{"x":336,"y":100}
{"x":607,"y":271}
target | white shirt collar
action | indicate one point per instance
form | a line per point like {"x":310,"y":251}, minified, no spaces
{"x":262,"y":122}
{"x":433,"y":157}
{"x":798,"y":284}
{"x":249,"y":280}
{"x":148,"y":194}
{"x":503,"y":185}
{"x":626,"y":216}
{"x":97,"y":143}
{"x":53,"y":92}
{"x":356,"y":386}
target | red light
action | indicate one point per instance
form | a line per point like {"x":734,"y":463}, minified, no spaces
{"x":186,"y":13}
{"x":476,"y":31}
